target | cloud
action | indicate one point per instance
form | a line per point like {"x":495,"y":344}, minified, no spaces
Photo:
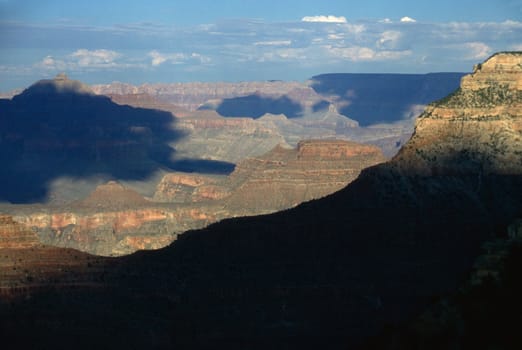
{"x":361,"y":53}
{"x":201,"y":58}
{"x":274,"y":43}
{"x":336,"y":36}
{"x":159,"y":58}
{"x":407,"y":19}
{"x":50,"y":63}
{"x":325,"y":19}
{"x":389,"y":39}
{"x":86,"y":60}
{"x":511,"y":23}
{"x":477,"y":51}
{"x":95,"y":58}
{"x":287,"y":49}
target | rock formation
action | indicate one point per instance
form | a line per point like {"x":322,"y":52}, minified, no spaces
{"x":189,"y":188}
{"x":327,"y":106}
{"x":113,"y":220}
{"x":15,"y":236}
{"x":59,"y":128}
{"x":26,"y":265}
{"x":113,"y":196}
{"x":477,"y":129}
{"x":191,"y":96}
{"x":279,"y":179}
{"x":330,"y":271}
{"x":283,"y":177}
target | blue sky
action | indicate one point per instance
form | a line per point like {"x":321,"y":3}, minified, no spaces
{"x":233,"y":40}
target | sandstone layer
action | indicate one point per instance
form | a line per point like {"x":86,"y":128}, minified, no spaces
{"x":327,"y":106}
{"x":16,"y":236}
{"x":279,"y":179}
{"x":477,"y":129}
{"x":26,"y":265}
{"x":285,"y":177}
{"x":116,"y":220}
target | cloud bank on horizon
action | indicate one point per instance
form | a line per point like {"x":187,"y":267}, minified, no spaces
{"x":235,"y":50}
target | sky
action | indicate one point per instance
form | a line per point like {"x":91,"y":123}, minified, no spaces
{"x":151,"y":41}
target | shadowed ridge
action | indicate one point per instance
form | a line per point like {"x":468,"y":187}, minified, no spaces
{"x":337,"y":269}
{"x":59,"y":128}
{"x":60,"y":84}
{"x":331,"y":271}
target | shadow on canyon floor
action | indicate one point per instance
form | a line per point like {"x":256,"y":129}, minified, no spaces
{"x":255,"y":106}
{"x":50,"y":131}
{"x":383,"y":98}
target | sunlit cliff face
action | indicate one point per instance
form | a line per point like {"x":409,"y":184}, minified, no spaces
{"x":476,"y":129}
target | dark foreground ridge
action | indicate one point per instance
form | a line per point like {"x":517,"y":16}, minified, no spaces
{"x":327,"y":274}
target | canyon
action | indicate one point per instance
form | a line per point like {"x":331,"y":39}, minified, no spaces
{"x":334,"y":270}
{"x":156,"y":140}
{"x":366,"y":108}
{"x":116,"y":220}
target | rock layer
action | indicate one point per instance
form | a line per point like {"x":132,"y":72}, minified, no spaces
{"x":284,"y":177}
{"x":330,"y":271}
{"x":279,"y":179}
{"x":115,"y":220}
{"x":15,"y":236}
{"x":477,"y":129}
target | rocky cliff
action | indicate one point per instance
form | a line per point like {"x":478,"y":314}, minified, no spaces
{"x":477,"y":129}
{"x":284,"y":177}
{"x":279,"y":179}
{"x":330,"y":271}
{"x":192,"y":95}
{"x":327,"y":106}
{"x":112,"y":220}
{"x":27,"y":266}
{"x":116,"y":220}
{"x":15,"y":236}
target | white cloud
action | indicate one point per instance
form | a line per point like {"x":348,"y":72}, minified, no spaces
{"x":159,"y":58}
{"x":287,"y":54}
{"x":325,"y":19}
{"x":389,"y":39}
{"x":361,"y":53}
{"x":95,"y":58}
{"x":48,"y":61}
{"x":53,"y":64}
{"x":336,"y":36}
{"x":407,"y":19}
{"x":286,"y":47}
{"x":201,"y":58}
{"x":355,"y":28}
{"x":477,"y":51}
{"x":274,"y":43}
{"x":511,"y":23}
{"x":85,"y":60}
